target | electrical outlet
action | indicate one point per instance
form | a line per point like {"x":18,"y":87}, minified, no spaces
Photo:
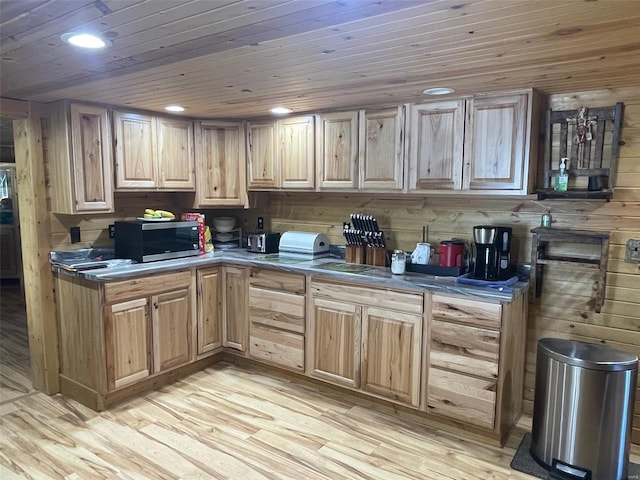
{"x":633,"y":250}
{"x":75,"y":234}
{"x":260,"y":223}
{"x":112,"y":231}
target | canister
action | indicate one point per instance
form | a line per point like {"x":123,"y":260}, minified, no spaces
{"x":398,"y":262}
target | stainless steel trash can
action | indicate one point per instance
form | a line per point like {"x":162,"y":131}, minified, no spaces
{"x":583,"y":409}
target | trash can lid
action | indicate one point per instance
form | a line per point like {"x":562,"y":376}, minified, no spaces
{"x":587,"y":355}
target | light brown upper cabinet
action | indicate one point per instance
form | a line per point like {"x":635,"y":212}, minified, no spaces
{"x":79,"y":152}
{"x":337,"y":151}
{"x":435,"y":154}
{"x":381,"y":152}
{"x":361,"y":150}
{"x":496,"y":143}
{"x":153,"y":152}
{"x":220,"y":164}
{"x":479,"y":144}
{"x":282,"y":154}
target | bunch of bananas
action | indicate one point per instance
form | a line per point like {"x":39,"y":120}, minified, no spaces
{"x":150,"y":213}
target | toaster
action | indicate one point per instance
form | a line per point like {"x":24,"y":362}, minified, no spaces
{"x":266,"y":242}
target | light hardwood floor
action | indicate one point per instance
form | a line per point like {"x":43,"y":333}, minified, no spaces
{"x":232,"y":422}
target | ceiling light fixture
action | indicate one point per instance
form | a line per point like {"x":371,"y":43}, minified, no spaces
{"x":438,"y":91}
{"x":84,"y":40}
{"x":281,"y":110}
{"x":174,"y":108}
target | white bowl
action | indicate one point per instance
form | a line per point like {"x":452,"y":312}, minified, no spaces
{"x":224,"y":224}
{"x":224,"y":237}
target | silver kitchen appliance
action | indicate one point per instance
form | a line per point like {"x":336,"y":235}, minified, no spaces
{"x":310,"y":244}
{"x":147,"y":241}
{"x":265,"y":242}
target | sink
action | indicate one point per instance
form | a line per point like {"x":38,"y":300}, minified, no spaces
{"x":86,"y":259}
{"x":344,"y":267}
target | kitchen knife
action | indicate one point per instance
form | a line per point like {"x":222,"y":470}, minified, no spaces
{"x":376,"y":228}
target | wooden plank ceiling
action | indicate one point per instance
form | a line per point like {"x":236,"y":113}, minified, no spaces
{"x":238,"y":58}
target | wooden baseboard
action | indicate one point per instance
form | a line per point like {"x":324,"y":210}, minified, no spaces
{"x":98,"y":401}
{"x":81,"y":393}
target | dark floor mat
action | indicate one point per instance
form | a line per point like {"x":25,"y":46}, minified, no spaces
{"x":524,"y":462}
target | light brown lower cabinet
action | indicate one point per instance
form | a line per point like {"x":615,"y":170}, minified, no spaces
{"x":335,"y":335}
{"x":149,"y":326}
{"x":209,"y":309}
{"x":128,"y":342}
{"x":373,"y":348}
{"x":116,"y":334}
{"x":277,"y":314}
{"x":172,"y":328}
{"x":475,"y":360}
{"x":391,"y":354}
{"x":235,"y":330}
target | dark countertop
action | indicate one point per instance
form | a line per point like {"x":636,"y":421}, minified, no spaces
{"x":328,"y":267}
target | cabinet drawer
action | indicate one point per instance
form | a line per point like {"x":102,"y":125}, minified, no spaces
{"x":465,"y":349}
{"x":462,"y":398}
{"x":373,"y":297}
{"x":277,"y":309}
{"x":277,"y":347}
{"x":474,"y":312}
{"x":145,"y":286}
{"x":275,"y":280}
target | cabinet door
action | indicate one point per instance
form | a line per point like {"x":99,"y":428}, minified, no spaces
{"x":391,"y":347}
{"x":337,"y":150}
{"x":262,"y":148}
{"x":176,"y":169}
{"x":220,"y":163}
{"x":495,"y":143}
{"x":436,"y":145}
{"x":382,"y":149}
{"x":297,"y":152}
{"x":136,"y":158}
{"x":334,"y":343}
{"x":128,"y":343}
{"x":92,"y":159}
{"x":236,"y":300}
{"x":209,"y":330}
{"x":172,"y":329}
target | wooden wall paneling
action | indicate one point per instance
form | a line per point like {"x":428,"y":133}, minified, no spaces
{"x":35,"y":238}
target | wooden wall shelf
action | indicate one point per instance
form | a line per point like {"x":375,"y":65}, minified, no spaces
{"x":590,"y":140}
{"x":539,"y":257}
{"x":578,"y":194}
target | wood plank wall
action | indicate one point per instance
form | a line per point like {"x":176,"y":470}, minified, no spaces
{"x":565,"y":309}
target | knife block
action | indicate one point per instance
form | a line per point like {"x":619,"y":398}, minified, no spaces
{"x":376,"y":256}
{"x":354,"y":254}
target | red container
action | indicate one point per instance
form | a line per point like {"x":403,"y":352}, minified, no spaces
{"x":451,"y":253}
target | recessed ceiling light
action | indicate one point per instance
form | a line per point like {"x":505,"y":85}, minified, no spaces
{"x":438,"y":91}
{"x":84,"y":40}
{"x":174,"y":108}
{"x":281,"y":110}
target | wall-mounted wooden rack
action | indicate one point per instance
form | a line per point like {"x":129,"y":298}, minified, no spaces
{"x":590,"y":139}
{"x":540,"y":257}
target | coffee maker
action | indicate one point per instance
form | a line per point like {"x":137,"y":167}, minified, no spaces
{"x":493,"y":252}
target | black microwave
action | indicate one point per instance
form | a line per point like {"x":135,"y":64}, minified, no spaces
{"x":151,"y":241}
